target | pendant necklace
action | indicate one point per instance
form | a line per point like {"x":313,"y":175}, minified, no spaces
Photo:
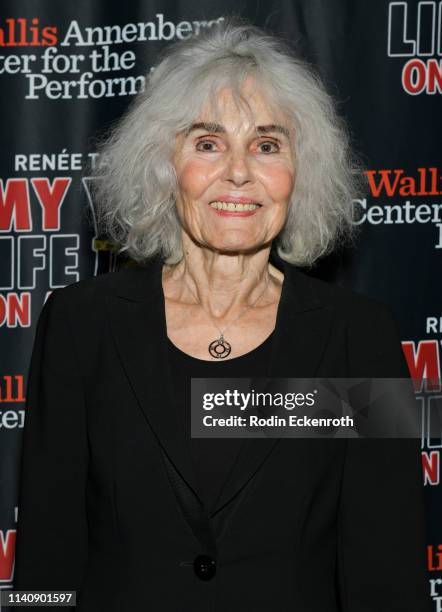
{"x":220,"y":348}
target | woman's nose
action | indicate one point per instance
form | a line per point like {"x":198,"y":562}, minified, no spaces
{"x":238,"y":169}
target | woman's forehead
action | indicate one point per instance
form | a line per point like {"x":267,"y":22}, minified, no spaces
{"x":249,"y":108}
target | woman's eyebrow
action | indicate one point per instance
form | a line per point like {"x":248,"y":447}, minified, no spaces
{"x":268,"y":129}
{"x":209,"y":127}
{"x":218,"y":128}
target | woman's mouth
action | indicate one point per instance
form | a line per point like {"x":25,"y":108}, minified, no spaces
{"x":235,"y":208}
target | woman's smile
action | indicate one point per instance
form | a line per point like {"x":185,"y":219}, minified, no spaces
{"x":234,"y":209}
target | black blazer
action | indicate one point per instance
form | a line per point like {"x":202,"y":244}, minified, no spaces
{"x":108,"y":503}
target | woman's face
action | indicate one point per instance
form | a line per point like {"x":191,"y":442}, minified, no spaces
{"x":236,"y":160}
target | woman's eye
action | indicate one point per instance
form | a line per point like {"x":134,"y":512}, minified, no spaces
{"x":268,"y":146}
{"x":205,"y":145}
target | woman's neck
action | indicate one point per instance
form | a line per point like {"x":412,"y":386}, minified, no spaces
{"x":223,"y":284}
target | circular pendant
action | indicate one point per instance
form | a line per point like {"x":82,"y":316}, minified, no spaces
{"x":219,"y":348}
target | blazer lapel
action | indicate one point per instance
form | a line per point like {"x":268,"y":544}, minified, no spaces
{"x":302,"y":329}
{"x":138,"y":324}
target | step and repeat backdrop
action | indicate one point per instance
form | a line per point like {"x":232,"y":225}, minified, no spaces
{"x":69,"y":70}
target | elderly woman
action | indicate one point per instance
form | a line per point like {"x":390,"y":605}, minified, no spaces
{"x":234,"y":148}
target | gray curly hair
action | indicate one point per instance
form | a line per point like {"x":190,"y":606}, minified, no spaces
{"x":135,"y":193}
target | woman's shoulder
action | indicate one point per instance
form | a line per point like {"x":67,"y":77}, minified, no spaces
{"x":132,"y":282}
{"x":367,"y":325}
{"x":339,"y":297}
{"x":83,"y":308}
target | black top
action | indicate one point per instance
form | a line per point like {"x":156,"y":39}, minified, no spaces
{"x":213,"y":458}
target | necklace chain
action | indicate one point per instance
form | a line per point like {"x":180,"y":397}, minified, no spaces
{"x":220,"y":348}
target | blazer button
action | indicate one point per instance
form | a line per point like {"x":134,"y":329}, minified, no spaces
{"x":204,"y":567}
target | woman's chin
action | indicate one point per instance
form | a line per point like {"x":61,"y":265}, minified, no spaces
{"x":235,"y":249}
{"x":234,"y":243}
